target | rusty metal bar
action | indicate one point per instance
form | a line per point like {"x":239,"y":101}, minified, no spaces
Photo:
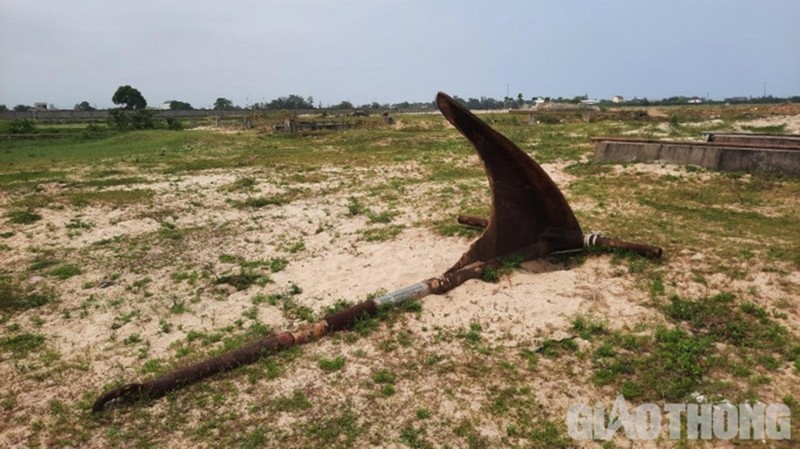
{"x":344,"y":319}
{"x":476,"y":222}
{"x":589,"y":240}
{"x":599,"y":241}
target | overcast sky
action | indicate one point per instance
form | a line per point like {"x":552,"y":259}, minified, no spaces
{"x":65,"y":52}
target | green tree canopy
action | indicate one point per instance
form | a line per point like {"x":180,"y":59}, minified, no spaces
{"x":292,"y":102}
{"x":223,"y":104}
{"x":84,"y":106}
{"x":3,"y":108}
{"x":176,"y":105}
{"x":21,"y":108}
{"x":130,"y":97}
{"x":344,"y":105}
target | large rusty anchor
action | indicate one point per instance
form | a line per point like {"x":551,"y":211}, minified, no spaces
{"x":530,"y":219}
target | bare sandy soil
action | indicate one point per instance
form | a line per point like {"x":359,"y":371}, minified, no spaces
{"x":96,"y":337}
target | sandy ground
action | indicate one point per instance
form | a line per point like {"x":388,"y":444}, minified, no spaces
{"x":534,"y":303}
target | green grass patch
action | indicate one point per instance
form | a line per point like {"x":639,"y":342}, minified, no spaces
{"x":40,"y":263}
{"x":23,"y":344}
{"x":297,"y":401}
{"x":15,"y":298}
{"x":589,"y":327}
{"x":354,"y":207}
{"x":745,"y":326}
{"x":243,"y":280}
{"x":716,"y":336}
{"x":65,"y":271}
{"x":291,"y":308}
{"x":26,"y":216}
{"x":667,"y":365}
{"x":277,"y":264}
{"x":382,"y":233}
{"x":772,"y":129}
{"x":113,"y":198}
{"x":110,"y":182}
{"x":330,"y":365}
{"x":258,"y":202}
{"x":28,"y":177}
{"x":339,"y":430}
{"x":169,"y":231}
{"x":245,"y":183}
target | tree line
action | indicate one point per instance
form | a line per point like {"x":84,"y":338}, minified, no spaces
{"x":128,"y":98}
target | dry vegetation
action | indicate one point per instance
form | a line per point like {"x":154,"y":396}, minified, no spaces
{"x":127,"y":255}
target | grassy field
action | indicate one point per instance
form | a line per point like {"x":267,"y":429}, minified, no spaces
{"x":125,"y":255}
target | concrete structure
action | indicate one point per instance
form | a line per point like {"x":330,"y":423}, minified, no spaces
{"x":784,"y":140}
{"x":716,"y":156}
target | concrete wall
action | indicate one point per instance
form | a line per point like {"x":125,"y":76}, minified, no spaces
{"x":789,"y":141}
{"x":713,"y":156}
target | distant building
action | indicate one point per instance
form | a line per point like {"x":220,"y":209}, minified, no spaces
{"x":695,"y":100}
{"x":589,"y":102}
{"x":617,"y":99}
{"x":40,"y":106}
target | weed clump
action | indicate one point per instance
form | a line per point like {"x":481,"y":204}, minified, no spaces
{"x":23,"y":344}
{"x":26,"y":216}
{"x":66,"y":271}
{"x":262,"y":201}
{"x":330,"y":365}
{"x":13,"y":298}
{"x":243,"y":280}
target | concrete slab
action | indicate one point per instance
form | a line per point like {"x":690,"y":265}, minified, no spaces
{"x":712,"y":155}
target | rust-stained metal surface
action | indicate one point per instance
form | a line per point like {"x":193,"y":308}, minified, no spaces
{"x":589,"y":240}
{"x":475,"y":222}
{"x":525,"y":201}
{"x":530,"y":218}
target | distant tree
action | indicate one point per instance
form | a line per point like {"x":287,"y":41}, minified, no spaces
{"x":578,"y":98}
{"x":223,"y":104}
{"x":130,"y":97}
{"x":344,"y":105}
{"x":84,"y":106}
{"x":491,"y":103}
{"x":176,"y":105}
{"x":292,"y":102}
{"x":21,"y":108}
{"x":3,"y":108}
